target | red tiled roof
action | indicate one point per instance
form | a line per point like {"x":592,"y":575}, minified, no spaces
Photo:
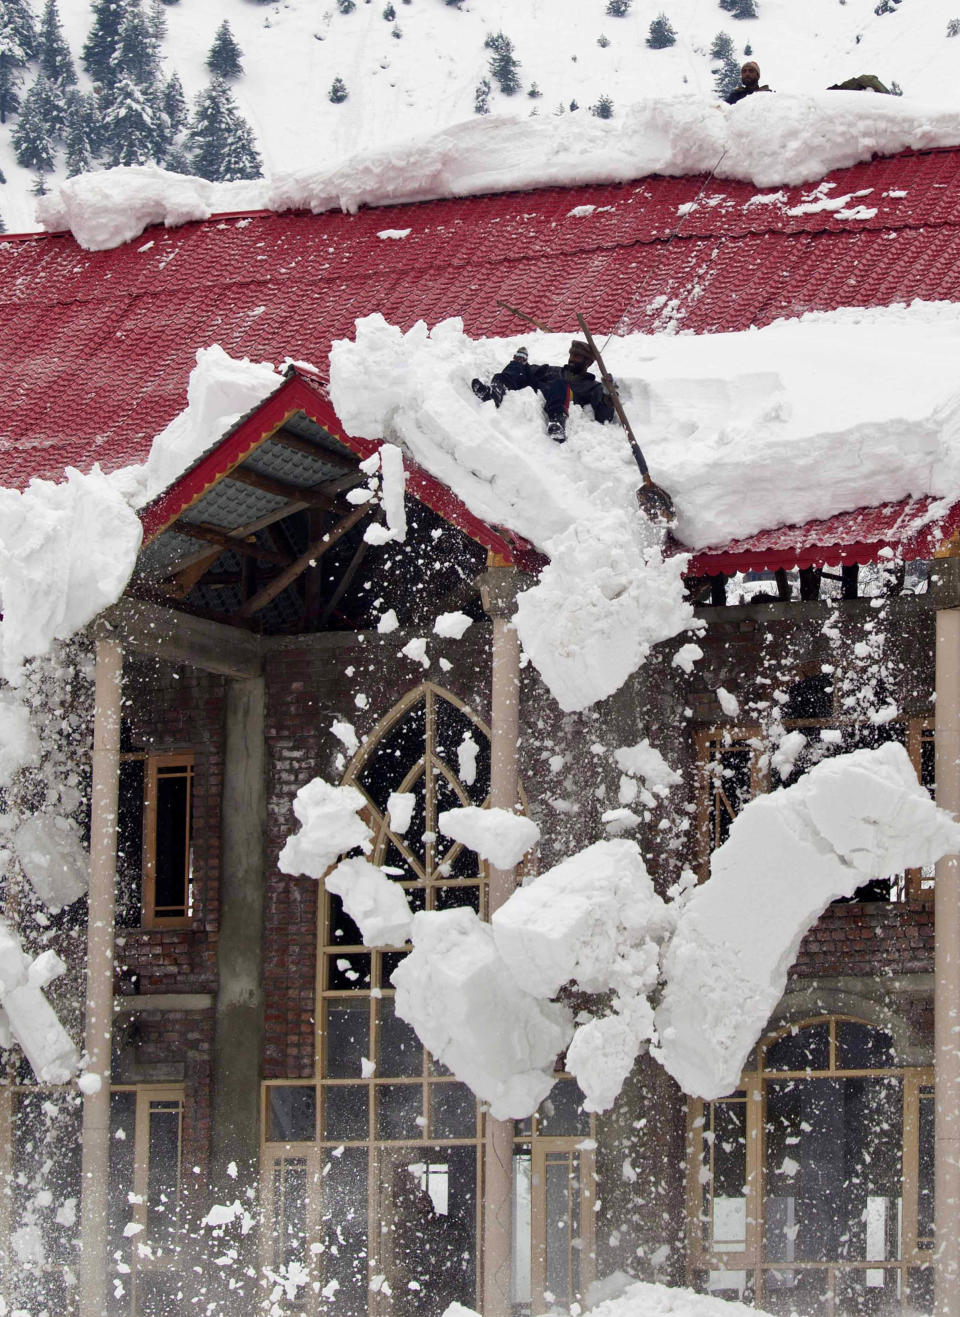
{"x":97,"y":346}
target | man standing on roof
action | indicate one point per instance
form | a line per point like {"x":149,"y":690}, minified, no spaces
{"x":558,"y":385}
{"x":749,"y":83}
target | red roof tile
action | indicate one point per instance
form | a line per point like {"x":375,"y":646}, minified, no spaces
{"x":97,"y":346}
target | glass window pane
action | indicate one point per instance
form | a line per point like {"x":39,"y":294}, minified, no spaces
{"x":399,"y":1051}
{"x":345,"y":1111}
{"x":289,"y":1210}
{"x":925,"y":1170}
{"x":434,"y":1215}
{"x":522,"y":1226}
{"x":342,"y":930}
{"x":349,"y":971}
{"x":562,"y":1227}
{"x":123,"y":1110}
{"x":291,"y":1113}
{"x":346,"y":1036}
{"x":807,"y":1049}
{"x":453,"y":1112}
{"x":130,"y":843}
{"x":562,"y":1112}
{"x":449,"y":898}
{"x":399,"y":1106}
{"x":171,"y":896}
{"x":343,"y":1261}
{"x":790,"y":1291}
{"x":729,"y":1208}
{"x":860,"y":1047}
{"x":163,"y":1171}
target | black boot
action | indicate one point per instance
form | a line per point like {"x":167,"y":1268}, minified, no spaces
{"x":493,"y":391}
{"x":557,"y":429}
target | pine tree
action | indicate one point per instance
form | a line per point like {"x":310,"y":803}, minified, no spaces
{"x":19,"y":16}
{"x":54,"y":53}
{"x":726,"y":72}
{"x":603,"y":41}
{"x":721,"y":47}
{"x":220,"y":142}
{"x":346,"y":6}
{"x":78,"y":136}
{"x":745,"y":9}
{"x":396,"y":31}
{"x":12,"y":60}
{"x":138,"y":54}
{"x":175,"y":105}
{"x":953,"y":27}
{"x":130,"y":125}
{"x":618,"y":8}
{"x":224,"y":58}
{"x":40,"y":188}
{"x":481,"y":97}
{"x":504,"y":68}
{"x":176,"y":161}
{"x":390,"y":14}
{"x":603,"y":108}
{"x":661,"y":34}
{"x":338,"y":91}
{"x":3,"y":227}
{"x":157,"y":21}
{"x":31,"y":136}
{"x":100,"y":47}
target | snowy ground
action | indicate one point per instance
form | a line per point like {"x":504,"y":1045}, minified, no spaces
{"x":406,"y":88}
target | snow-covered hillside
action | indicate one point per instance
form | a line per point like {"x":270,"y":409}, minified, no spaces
{"x":424,"y":79}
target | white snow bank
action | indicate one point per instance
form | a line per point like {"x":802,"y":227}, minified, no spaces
{"x":27,"y":1016}
{"x":329,"y":826}
{"x":497,"y":835}
{"x":639,"y":1299}
{"x":53,"y":857}
{"x":714,"y":414}
{"x":607,"y":595}
{"x":66,"y":553}
{"x":376,"y":904}
{"x":788,"y":855}
{"x":769,"y":140}
{"x":468,"y":1010}
{"x":105,"y":208}
{"x":220,"y":390}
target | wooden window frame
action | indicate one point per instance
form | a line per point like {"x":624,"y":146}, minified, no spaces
{"x":154,"y":764}
{"x":753,"y":1086}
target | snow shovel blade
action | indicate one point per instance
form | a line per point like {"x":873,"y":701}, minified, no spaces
{"x":653,"y":501}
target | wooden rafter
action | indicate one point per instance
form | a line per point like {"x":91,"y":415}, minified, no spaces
{"x":298,"y":444}
{"x":344,"y":583}
{"x":290,"y":573}
{"x":299,"y":494}
{"x":214,"y":535}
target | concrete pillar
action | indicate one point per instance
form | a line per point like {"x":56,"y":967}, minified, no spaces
{"x":947,"y":976}
{"x":499,"y":598}
{"x":238,"y":1028}
{"x":98,"y":1019}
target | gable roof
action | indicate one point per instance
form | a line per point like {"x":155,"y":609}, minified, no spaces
{"x":97,"y":346}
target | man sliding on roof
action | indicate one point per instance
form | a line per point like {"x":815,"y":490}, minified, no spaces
{"x":557,"y":384}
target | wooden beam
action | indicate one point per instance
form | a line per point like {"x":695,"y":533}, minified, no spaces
{"x":175,"y":637}
{"x":292,"y":493}
{"x":316,"y":550}
{"x":344,"y":583}
{"x":214,"y":535}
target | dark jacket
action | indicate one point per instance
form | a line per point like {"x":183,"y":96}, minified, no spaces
{"x":558,"y":386}
{"x":738,"y":93}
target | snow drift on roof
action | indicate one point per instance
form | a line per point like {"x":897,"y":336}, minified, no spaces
{"x":768,"y":139}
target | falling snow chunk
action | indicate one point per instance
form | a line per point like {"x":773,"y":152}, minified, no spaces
{"x":728,"y":703}
{"x":452,"y":625}
{"x":467,"y":752}
{"x":400,"y":806}
{"x":89,"y":1082}
{"x":392,"y":494}
{"x":375,"y":903}
{"x":416,"y":651}
{"x":497,"y":835}
{"x":346,"y":735}
{"x":643,"y":760}
{"x":388,"y":623}
{"x":27,"y":1015}
{"x":54,"y":858}
{"x":19,"y":746}
{"x":329,"y":827}
{"x":685,"y":658}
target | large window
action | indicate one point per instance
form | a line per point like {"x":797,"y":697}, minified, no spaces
{"x":373,"y":1170}
{"x":810,"y":1189}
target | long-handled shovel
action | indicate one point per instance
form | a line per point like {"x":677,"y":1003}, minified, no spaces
{"x":653,"y":500}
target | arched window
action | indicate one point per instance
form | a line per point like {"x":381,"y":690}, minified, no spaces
{"x":810,"y":1189}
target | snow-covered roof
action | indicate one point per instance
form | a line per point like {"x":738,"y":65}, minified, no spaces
{"x":98,"y":345}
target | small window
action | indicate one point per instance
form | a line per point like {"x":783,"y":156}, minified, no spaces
{"x":155,"y":841}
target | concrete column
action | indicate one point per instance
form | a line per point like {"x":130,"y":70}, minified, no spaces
{"x":947,"y":976}
{"x":238,"y":1036}
{"x":98,"y":1020}
{"x":499,"y":597}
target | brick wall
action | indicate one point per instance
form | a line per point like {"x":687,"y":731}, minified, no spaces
{"x":870,"y":938}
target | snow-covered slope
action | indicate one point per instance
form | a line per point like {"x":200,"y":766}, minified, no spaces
{"x":425,"y":80}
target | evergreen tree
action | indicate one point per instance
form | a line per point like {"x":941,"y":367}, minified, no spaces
{"x":346,"y":6}
{"x":220,"y":143}
{"x":504,"y":68}
{"x":78,"y":137}
{"x":726,"y":72}
{"x":3,"y":227}
{"x":661,"y":33}
{"x":54,"y":53}
{"x":721,"y":47}
{"x":130,"y":125}
{"x":390,"y":14}
{"x":603,"y":41}
{"x":137,"y":55}
{"x":12,"y":60}
{"x":745,"y":9}
{"x":157,"y":21}
{"x":603,"y":108}
{"x":40,"y":188}
{"x":31,"y":136}
{"x":19,"y":16}
{"x":338,"y":91}
{"x":176,"y":161}
{"x":953,"y":27}
{"x":728,"y":5}
{"x":618,"y":8}
{"x":224,"y":58}
{"x":175,"y":105}
{"x":100,"y":47}
{"x":534,"y":93}
{"x":396,"y":32}
{"x":481,"y":97}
